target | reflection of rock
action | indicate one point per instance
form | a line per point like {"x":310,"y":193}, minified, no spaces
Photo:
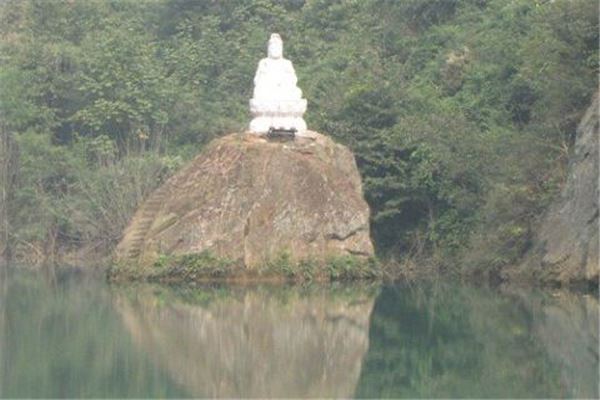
{"x":464,"y":342}
{"x":254,"y":343}
{"x":570,"y":333}
{"x":567,"y":326}
{"x":3,"y":324}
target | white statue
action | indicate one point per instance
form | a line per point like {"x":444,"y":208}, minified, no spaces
{"x":277,"y":102}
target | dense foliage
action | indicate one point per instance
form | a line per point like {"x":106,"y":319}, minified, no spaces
{"x":460,"y":112}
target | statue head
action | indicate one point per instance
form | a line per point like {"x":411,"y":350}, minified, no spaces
{"x":275,"y":50}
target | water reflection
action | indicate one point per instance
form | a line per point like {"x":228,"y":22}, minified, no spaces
{"x":566,"y":325}
{"x":457,"y":341}
{"x":61,"y":337}
{"x":259,"y":342}
{"x":73,"y":336}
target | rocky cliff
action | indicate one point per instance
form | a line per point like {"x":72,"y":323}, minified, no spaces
{"x":250,"y":201}
{"x":566,"y":244}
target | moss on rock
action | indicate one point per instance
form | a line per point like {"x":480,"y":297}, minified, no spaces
{"x":206,"y":266}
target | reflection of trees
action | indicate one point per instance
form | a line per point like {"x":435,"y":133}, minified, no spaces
{"x":3,"y":289}
{"x":260,"y":342}
{"x":449,"y":341}
{"x":62,"y":338}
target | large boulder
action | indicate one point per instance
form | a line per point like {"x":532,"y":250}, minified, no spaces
{"x":566,"y":243}
{"x":251,"y":200}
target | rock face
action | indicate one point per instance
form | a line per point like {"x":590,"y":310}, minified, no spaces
{"x":566,"y":248}
{"x":251,"y":200}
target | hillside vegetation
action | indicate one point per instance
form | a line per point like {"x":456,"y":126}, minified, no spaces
{"x":461,"y":113}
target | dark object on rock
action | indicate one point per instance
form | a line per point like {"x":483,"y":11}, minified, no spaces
{"x":281,"y":134}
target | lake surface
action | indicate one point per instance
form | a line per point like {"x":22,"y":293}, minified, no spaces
{"x":72,"y":335}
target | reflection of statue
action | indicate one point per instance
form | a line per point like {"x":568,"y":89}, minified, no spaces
{"x":277,"y":101}
{"x":253,"y":342}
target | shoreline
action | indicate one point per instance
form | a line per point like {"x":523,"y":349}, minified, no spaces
{"x":102,"y":271}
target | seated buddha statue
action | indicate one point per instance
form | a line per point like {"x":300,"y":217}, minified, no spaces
{"x":277,"y":101}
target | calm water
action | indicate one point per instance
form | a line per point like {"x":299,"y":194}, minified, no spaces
{"x":67,"y":335}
